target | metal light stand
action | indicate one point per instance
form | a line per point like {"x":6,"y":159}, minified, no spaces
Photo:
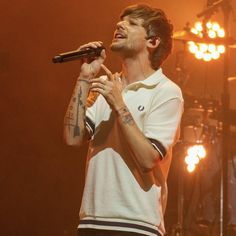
{"x":226,"y":8}
{"x":178,"y":228}
{"x":181,"y":79}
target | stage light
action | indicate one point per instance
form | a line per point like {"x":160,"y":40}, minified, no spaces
{"x":209,"y":25}
{"x":198,"y":26}
{"x":207,"y":51}
{"x":191,"y":168}
{"x":193,"y":48}
{"x":215,"y":55}
{"x":211,"y":48}
{"x":199,"y":55}
{"x":194,"y":154}
{"x":221,"y":33}
{"x":215,"y":26}
{"x":203,"y":47}
{"x":212,"y":34}
{"x":221,"y":48}
{"x":207,"y":57}
{"x":195,"y":31}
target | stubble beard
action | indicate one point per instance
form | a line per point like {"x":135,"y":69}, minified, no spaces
{"x":122,"y":49}
{"x":117,"y":47}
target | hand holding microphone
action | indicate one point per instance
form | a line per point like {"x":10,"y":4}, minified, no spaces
{"x":90,"y":68}
{"x":89,"y":51}
{"x":92,"y":55}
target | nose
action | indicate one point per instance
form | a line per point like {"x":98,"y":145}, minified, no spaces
{"x":120,"y":24}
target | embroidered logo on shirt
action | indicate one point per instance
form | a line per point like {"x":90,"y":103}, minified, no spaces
{"x":141,"y":108}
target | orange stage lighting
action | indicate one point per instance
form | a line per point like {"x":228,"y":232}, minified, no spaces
{"x":207,"y":50}
{"x":194,"y":154}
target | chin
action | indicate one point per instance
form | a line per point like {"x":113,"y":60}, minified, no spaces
{"x":115,"y":46}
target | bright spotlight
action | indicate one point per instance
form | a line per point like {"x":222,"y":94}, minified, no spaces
{"x":204,"y":51}
{"x":221,"y":33}
{"x":191,"y":168}
{"x":212,"y":34}
{"x":194,"y":154}
{"x":221,"y":48}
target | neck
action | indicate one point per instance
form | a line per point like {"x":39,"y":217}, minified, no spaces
{"x":136,"y":69}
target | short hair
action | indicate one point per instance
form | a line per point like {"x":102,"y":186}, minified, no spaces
{"x":156,"y":24}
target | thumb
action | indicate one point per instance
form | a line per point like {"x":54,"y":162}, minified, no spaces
{"x":102,"y":56}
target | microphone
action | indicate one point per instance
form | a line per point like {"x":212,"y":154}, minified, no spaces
{"x":79,"y":54}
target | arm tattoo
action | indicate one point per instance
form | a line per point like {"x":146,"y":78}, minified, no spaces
{"x":71,"y":119}
{"x":126,"y":116}
{"x":77,"y":131}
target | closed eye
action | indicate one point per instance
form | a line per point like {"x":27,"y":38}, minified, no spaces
{"x":133,"y":22}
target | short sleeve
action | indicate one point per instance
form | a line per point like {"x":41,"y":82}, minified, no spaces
{"x":90,"y":118}
{"x":162,"y":125}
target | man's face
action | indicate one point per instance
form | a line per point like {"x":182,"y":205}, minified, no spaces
{"x":129,"y":36}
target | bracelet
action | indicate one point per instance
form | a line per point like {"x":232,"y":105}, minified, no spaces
{"x":84,"y":80}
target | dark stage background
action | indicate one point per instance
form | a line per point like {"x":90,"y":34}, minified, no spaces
{"x":41,"y":179}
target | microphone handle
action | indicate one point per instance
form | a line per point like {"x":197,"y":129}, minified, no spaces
{"x":75,"y":55}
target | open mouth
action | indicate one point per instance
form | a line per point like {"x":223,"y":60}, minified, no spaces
{"x":119,"y":36}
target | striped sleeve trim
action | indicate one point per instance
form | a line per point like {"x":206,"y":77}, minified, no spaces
{"x":159,"y":147}
{"x":122,"y":225}
{"x":90,"y":125}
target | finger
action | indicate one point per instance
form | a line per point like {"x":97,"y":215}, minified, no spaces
{"x":94,"y":44}
{"x":108,"y":72}
{"x":103,"y":54}
{"x":98,"y":90}
{"x":117,"y":76}
{"x":98,"y":43}
{"x":97,"y":85}
{"x":98,"y":80}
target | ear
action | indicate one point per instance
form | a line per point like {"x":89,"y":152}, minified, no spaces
{"x":153,"y":42}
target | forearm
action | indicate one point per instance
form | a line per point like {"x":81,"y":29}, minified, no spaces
{"x":144,"y":153}
{"x":75,"y":132}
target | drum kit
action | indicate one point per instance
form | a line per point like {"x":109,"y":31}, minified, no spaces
{"x":202,"y":123}
{"x":203,"y":113}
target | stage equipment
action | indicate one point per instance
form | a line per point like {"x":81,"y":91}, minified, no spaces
{"x":200,"y":128}
{"x":227,"y":9}
{"x":212,"y":125}
{"x":194,"y":154}
{"x":210,"y":47}
{"x":186,"y":35}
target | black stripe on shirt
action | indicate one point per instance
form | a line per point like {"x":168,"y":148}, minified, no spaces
{"x":119,"y":224}
{"x":90,"y":125}
{"x":159,"y":147}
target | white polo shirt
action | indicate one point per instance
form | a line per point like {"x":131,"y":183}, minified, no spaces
{"x":117,"y":196}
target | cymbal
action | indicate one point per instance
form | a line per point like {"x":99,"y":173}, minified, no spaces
{"x":231,"y":78}
{"x":229,"y":41}
{"x":232,"y":46}
{"x":185,"y":36}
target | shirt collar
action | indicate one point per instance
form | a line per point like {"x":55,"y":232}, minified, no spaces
{"x":151,"y":80}
{"x":154,"y":78}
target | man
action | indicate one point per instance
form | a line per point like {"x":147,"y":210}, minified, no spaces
{"x":132,"y":127}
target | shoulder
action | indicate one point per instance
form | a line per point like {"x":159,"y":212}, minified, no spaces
{"x":167,"y":89}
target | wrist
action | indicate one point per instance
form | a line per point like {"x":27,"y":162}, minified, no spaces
{"x":85,"y":79}
{"x":121,"y":109}
{"x":124,"y":116}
